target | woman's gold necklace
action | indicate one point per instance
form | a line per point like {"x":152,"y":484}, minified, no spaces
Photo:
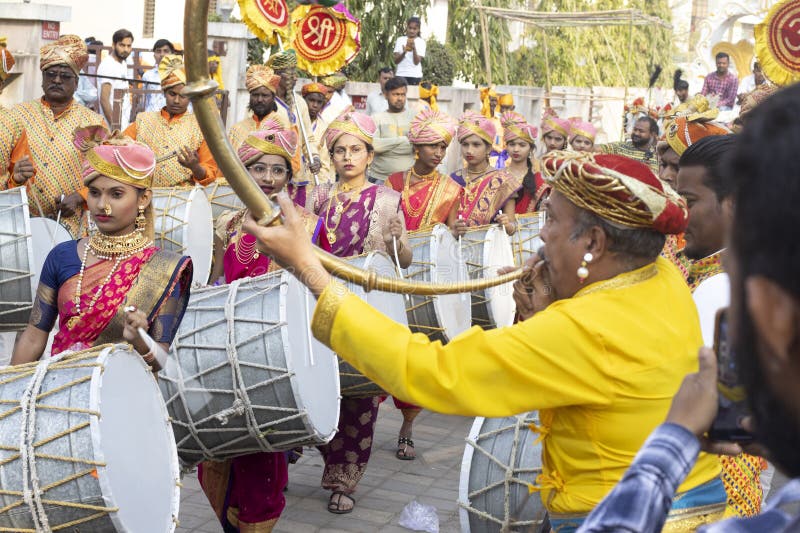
{"x":339,"y":207}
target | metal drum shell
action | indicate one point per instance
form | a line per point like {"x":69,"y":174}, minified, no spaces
{"x":527,"y":240}
{"x":245,"y":375}
{"x":184,"y":225}
{"x":485,"y":249}
{"x":353,"y":383}
{"x":436,"y":260}
{"x":485,"y":485}
{"x":122,"y":457}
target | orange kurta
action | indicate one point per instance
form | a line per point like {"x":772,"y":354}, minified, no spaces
{"x":165,"y":134}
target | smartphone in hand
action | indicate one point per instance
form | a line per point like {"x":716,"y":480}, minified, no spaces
{"x":732,"y":406}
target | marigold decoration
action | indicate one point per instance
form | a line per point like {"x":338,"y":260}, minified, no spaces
{"x":325,"y":38}
{"x":266,"y":18}
{"x":778,"y":43}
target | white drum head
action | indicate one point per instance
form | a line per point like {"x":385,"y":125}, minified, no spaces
{"x":199,"y":235}
{"x":45,"y":234}
{"x":137,"y":443}
{"x":389,"y":303}
{"x":316,"y":383}
{"x":454,"y":310}
{"x":498,"y":253}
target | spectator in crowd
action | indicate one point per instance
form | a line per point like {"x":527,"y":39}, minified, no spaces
{"x":113,"y":74}
{"x":156,"y":100}
{"x":409,"y":52}
{"x":376,"y":101}
{"x":722,"y":83}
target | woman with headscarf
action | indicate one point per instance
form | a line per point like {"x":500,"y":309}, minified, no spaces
{"x":359,"y":217}
{"x":581,"y":135}
{"x":246,"y":492}
{"x":520,"y":140}
{"x":489,"y":193}
{"x":428,"y":198}
{"x":104,"y":287}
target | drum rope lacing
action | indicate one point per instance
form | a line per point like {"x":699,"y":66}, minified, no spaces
{"x":510,"y":476}
{"x":28,"y":404}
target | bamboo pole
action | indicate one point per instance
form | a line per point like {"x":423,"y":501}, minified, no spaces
{"x":547,"y":86}
{"x":487,"y":60}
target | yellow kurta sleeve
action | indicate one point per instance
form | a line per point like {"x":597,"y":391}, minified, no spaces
{"x":544,"y":362}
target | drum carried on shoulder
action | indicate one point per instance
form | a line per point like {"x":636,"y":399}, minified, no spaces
{"x":88,"y":435}
{"x":183,"y":224}
{"x":485,"y":249}
{"x":25,"y":242}
{"x":436,"y":260}
{"x":501,"y":461}
{"x":245,"y":374}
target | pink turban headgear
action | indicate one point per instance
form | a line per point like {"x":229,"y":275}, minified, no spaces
{"x":551,"y":122}
{"x":353,"y":123}
{"x":431,"y":127}
{"x":69,"y":50}
{"x":516,"y":127}
{"x":472,"y":123}
{"x":582,"y":128}
{"x":270,"y":138}
{"x":116,"y":156}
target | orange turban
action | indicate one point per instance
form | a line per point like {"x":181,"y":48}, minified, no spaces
{"x":314,"y":88}
{"x":618,"y":189}
{"x":261,"y":76}
{"x":69,"y":50}
{"x":682,"y":133}
{"x":171,"y":71}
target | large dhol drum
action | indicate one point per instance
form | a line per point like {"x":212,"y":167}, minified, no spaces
{"x":527,"y":240}
{"x":222,"y":198}
{"x":436,"y":260}
{"x":87,"y":433}
{"x":24,"y":245}
{"x":245,"y":374}
{"x":354,"y":384}
{"x":501,"y":460}
{"x":184,"y":225}
{"x":485,"y":249}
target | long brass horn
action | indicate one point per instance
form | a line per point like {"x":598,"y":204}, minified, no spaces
{"x":201,"y":90}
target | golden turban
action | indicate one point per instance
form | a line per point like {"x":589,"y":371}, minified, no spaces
{"x":261,"y":76}
{"x":69,"y":50}
{"x":171,"y":71}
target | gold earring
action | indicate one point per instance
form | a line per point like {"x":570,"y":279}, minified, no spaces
{"x":416,"y":155}
{"x":141,"y":221}
{"x":583,"y":270}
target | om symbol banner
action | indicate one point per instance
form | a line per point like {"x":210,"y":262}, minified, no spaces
{"x":325,"y":38}
{"x":778,"y":43}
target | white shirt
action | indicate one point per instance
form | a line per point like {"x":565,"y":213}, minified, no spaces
{"x":376,"y":103}
{"x":406,"y":67}
{"x":153,"y":102}
{"x":114,"y":69}
{"x":710,"y":296}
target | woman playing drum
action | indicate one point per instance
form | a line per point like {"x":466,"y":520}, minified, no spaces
{"x":104,"y":287}
{"x":247,"y":492}
{"x":359,"y":217}
{"x":428,"y":198}
{"x":264,"y":153}
{"x":488,"y":193}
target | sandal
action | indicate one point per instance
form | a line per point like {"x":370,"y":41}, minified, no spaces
{"x":402,"y":446}
{"x":336,"y":507}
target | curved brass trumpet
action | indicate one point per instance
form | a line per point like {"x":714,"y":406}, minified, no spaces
{"x":201,"y":90}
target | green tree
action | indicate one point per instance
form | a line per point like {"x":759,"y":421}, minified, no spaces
{"x":464,"y":34}
{"x":382,"y":22}
{"x":440,"y":63}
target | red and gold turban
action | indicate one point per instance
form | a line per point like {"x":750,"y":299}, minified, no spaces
{"x":472,"y":123}
{"x":551,"y":122}
{"x":171,"y":71}
{"x":430,"y":95}
{"x":115,"y":156}
{"x":618,"y":189}
{"x":431,"y":127}
{"x":516,"y":127}
{"x":314,"y":88}
{"x":352,"y":122}
{"x":577,"y":126}
{"x":261,"y":76}
{"x":270,"y":138}
{"x":756,"y":96}
{"x":682,"y":133}
{"x":69,"y":50}
{"x":6,"y":60}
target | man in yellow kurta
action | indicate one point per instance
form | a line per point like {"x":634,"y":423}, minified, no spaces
{"x":293,"y":110}
{"x":609,"y":334}
{"x":182,"y":154}
{"x":36,"y":143}
{"x":262,"y":84}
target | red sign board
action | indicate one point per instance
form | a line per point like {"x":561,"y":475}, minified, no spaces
{"x":359,"y":102}
{"x":51,"y":31}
